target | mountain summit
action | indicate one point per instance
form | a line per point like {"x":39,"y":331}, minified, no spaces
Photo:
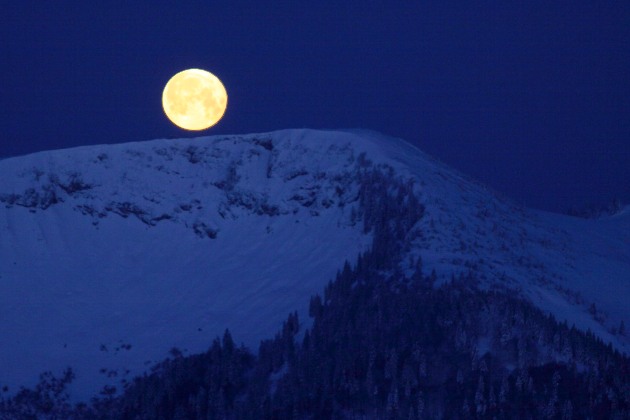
{"x":111,"y":256}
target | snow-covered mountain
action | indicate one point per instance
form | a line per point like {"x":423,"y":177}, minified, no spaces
{"x":112,"y":255}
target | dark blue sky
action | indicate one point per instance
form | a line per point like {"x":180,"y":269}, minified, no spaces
{"x":530,"y":97}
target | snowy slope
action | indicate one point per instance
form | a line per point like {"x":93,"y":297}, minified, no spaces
{"x":562,"y":264}
{"x":112,"y":255}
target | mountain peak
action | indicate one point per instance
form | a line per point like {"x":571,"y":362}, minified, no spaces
{"x":111,"y":255}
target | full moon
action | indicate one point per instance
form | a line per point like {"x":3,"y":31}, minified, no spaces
{"x":194,"y":99}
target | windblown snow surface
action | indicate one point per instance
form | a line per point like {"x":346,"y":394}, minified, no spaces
{"x":112,"y":255}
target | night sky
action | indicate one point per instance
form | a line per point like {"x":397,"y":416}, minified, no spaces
{"x":531,"y":98}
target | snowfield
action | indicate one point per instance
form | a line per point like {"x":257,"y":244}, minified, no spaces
{"x":112,"y":255}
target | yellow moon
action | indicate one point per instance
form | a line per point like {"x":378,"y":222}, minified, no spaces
{"x":194,"y":99}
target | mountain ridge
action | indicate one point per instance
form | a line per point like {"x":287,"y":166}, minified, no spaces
{"x":194,"y":209}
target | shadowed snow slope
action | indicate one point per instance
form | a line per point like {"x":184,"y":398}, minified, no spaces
{"x":112,"y":255}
